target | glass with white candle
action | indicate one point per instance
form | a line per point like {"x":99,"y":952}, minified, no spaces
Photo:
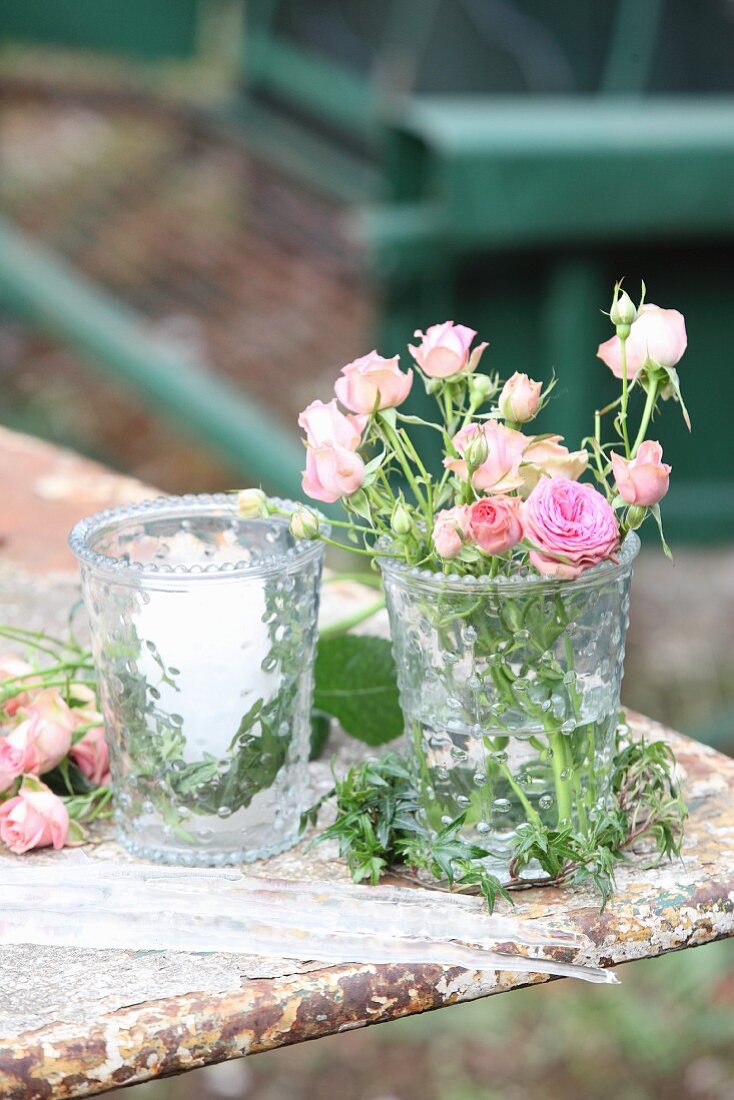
{"x":203,"y":631}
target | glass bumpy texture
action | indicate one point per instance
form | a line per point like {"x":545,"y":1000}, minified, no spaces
{"x":203,"y":631}
{"x":510,"y":690}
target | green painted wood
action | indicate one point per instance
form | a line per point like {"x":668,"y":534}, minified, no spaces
{"x":60,"y":301}
{"x":329,"y":90}
{"x":510,"y":173}
{"x":149,"y":29}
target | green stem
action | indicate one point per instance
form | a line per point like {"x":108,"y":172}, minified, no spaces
{"x":47,"y":684}
{"x":37,"y":674}
{"x":393,"y":438}
{"x":34,"y":635}
{"x":352,"y":526}
{"x":591,"y":757}
{"x":598,"y":449}
{"x":531,"y":812}
{"x":353,"y":549}
{"x":22,"y":638}
{"x":346,"y":624}
{"x":652,"y":394}
{"x":428,"y":480}
{"x":557,"y":746}
{"x":625,"y":395}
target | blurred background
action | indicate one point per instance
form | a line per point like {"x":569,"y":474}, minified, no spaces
{"x":209,"y":206}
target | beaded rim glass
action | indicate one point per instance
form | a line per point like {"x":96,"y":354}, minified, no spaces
{"x":86,"y":531}
{"x":516,"y":584}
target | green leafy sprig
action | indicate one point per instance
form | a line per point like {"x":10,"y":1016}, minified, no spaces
{"x":378,"y":829}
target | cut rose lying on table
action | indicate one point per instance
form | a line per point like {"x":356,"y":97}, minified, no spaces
{"x":507,"y":500}
{"x":49,"y":727}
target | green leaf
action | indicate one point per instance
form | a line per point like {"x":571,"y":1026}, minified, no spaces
{"x":674,"y":382}
{"x":320,"y":729}
{"x":76,"y":834}
{"x":374,"y":464}
{"x":655,"y":509}
{"x":356,"y":683}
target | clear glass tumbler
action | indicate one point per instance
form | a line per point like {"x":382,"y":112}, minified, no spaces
{"x":203,"y":632}
{"x":510,"y":690}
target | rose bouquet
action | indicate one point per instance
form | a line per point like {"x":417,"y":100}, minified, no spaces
{"x":506,"y":573}
{"x":54,"y":765}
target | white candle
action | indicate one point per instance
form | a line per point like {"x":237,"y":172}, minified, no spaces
{"x":210,"y":629}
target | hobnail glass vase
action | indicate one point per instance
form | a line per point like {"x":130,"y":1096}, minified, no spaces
{"x":510,"y":690}
{"x":203,"y":631}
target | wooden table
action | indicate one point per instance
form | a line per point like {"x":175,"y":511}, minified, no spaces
{"x":76,"y":1022}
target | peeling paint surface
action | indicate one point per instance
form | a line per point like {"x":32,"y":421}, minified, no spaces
{"x":101,"y":1019}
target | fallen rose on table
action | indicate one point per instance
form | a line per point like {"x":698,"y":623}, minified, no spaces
{"x":54,"y":762}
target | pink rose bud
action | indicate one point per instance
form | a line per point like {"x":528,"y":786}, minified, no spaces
{"x":91,"y":756}
{"x":548,"y":457}
{"x":373,"y":383}
{"x":520,"y":398}
{"x":500,"y":471}
{"x":494,"y":524}
{"x":572,"y":525}
{"x":450,"y":530}
{"x":10,"y":667}
{"x":332,"y":473}
{"x":33,"y":819}
{"x":325,"y":425}
{"x":444,"y":350}
{"x":658,"y":335}
{"x":644,"y":479}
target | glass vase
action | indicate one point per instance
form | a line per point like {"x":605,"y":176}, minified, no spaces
{"x":510,"y":690}
{"x":203,"y":632}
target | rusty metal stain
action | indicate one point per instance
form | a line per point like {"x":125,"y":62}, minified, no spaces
{"x":676,"y":905}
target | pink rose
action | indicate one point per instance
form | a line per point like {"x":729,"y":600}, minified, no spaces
{"x":550,"y":458}
{"x":34,"y":747}
{"x":494,"y":524}
{"x":33,"y":819}
{"x":444,"y":350}
{"x":500,"y":471}
{"x":644,"y":479}
{"x":520,"y":398}
{"x":657,"y":334}
{"x":91,"y":756}
{"x":325,"y":425}
{"x":571,"y":520}
{"x":10,"y":667}
{"x":11,"y":763}
{"x":450,"y":530}
{"x":13,"y":756}
{"x":332,"y":473}
{"x":372,"y":383}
